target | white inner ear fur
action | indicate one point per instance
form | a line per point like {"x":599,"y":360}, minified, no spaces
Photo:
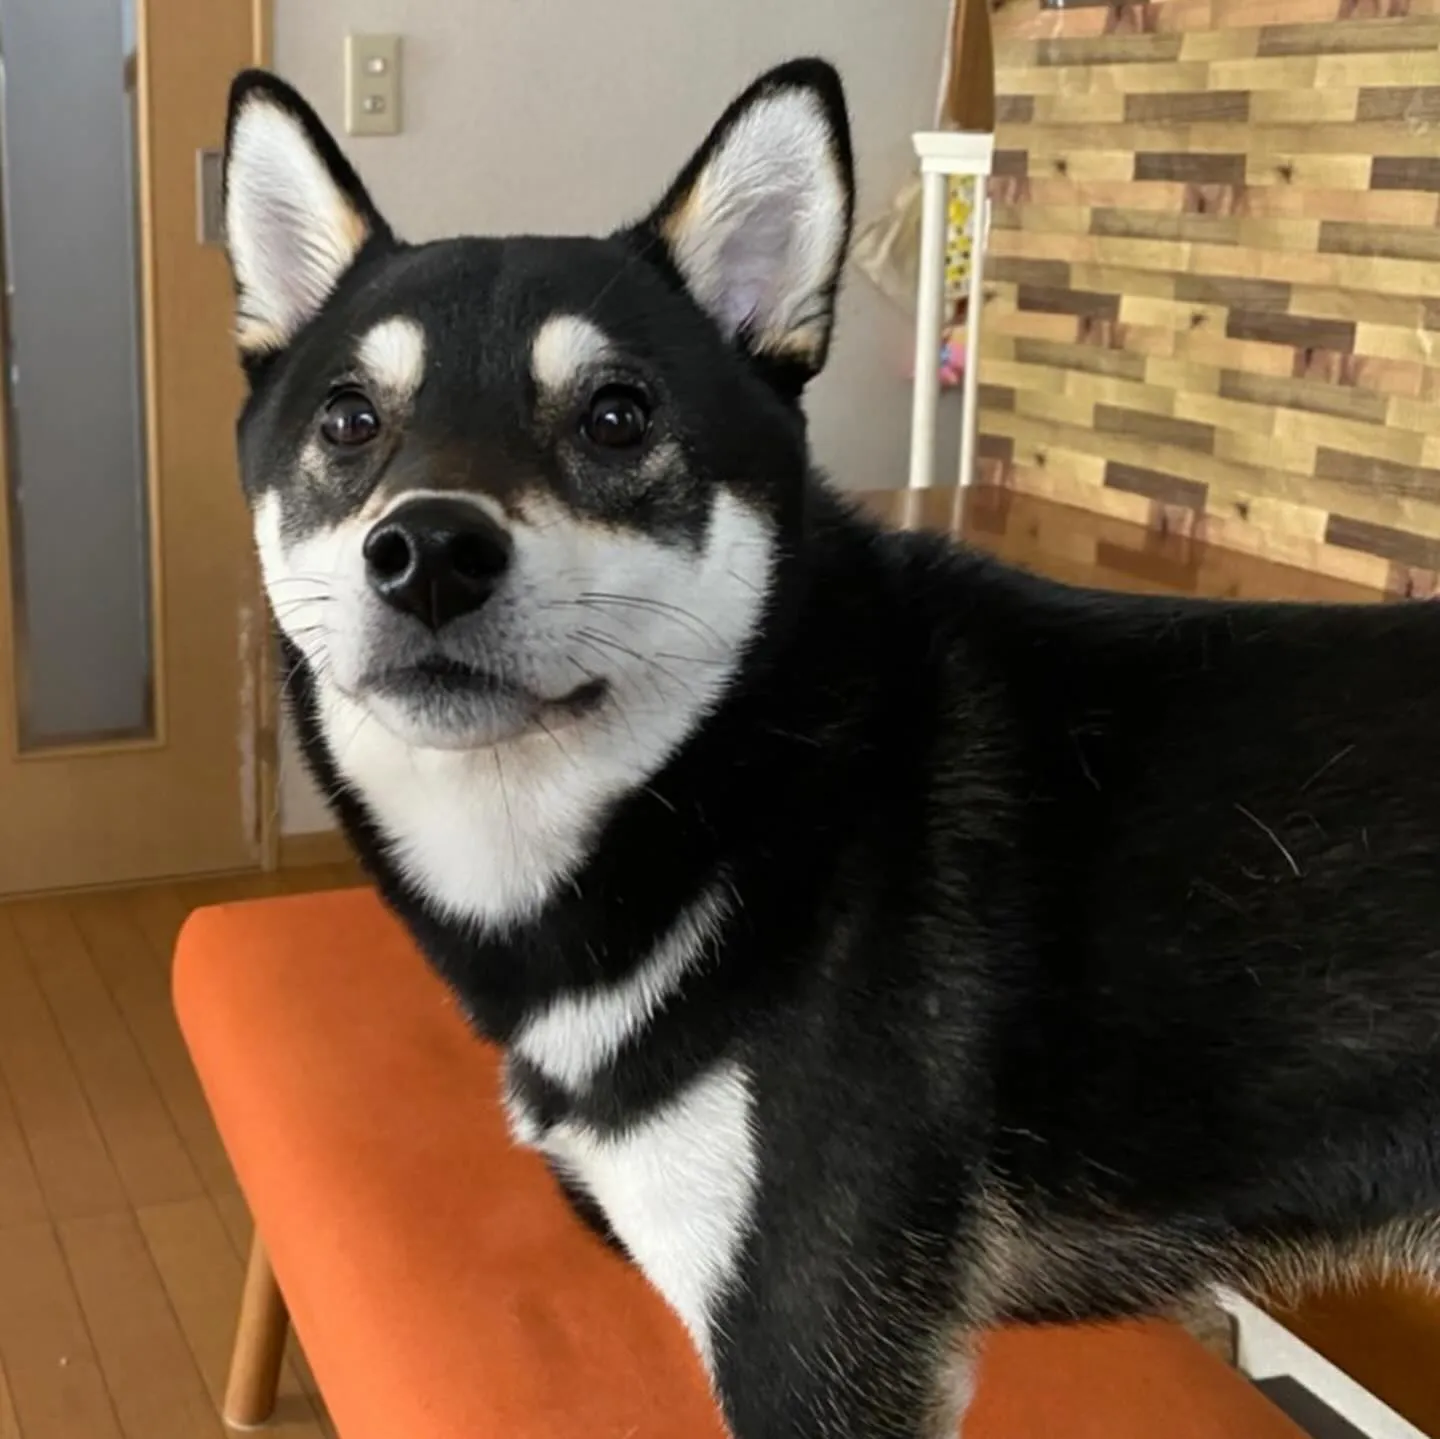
{"x":759,"y":237}
{"x":393,"y":355}
{"x":291,"y":230}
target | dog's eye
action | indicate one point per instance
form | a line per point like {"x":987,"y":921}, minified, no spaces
{"x":350,"y":419}
{"x":617,"y":417}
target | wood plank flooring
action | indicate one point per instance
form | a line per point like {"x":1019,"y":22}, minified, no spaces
{"x":122,"y":1232}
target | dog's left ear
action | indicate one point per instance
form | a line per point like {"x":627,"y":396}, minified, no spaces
{"x":758,"y":223}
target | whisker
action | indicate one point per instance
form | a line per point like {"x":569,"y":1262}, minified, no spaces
{"x":504,"y":792}
{"x":1273,"y":838}
{"x":660,"y":798}
{"x":749,"y":584}
{"x":693,"y":622}
{"x":555,"y":739}
{"x":622,"y":711}
{"x":610,"y":642}
{"x":304,"y":579}
{"x":649,"y":677}
{"x":291,"y":606}
{"x":342,"y":751}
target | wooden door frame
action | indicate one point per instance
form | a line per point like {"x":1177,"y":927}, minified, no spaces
{"x":263,"y":666}
{"x":266,"y":706}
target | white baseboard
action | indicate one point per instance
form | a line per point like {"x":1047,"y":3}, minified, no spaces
{"x":1267,"y":1350}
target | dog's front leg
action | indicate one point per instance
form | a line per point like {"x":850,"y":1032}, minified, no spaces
{"x":861,"y":1356}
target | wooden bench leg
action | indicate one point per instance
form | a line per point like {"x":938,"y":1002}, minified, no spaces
{"x":259,"y":1345}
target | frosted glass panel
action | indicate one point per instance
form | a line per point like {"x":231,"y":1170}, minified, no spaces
{"x":79,"y":557}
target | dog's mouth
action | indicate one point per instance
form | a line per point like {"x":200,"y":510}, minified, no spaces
{"x":441,"y":679}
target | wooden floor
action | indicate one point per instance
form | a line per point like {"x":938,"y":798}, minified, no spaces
{"x":121,"y":1229}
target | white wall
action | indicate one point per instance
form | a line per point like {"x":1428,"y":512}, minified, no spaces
{"x":302,"y":811}
{"x":558,"y":116}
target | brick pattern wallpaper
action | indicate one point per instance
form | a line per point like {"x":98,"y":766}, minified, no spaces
{"x":1214,"y":274}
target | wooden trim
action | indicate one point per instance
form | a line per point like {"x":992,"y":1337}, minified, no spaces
{"x":263,"y":27}
{"x":267,"y":742}
{"x":267,"y":678}
{"x":9,"y":674}
{"x":83,"y":749}
{"x":150,"y":364}
{"x":313,"y":849}
{"x":123,"y":886}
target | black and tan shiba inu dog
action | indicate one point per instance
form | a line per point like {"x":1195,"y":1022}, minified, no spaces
{"x":885,"y":943}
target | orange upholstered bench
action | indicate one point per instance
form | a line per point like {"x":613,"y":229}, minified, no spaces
{"x":440,"y":1286}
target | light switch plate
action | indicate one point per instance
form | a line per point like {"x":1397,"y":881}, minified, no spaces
{"x":372,"y":84}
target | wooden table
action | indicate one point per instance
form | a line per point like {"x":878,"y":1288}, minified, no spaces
{"x":1082,"y":547}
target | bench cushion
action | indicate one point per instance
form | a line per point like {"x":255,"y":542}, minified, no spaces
{"x":439,"y":1284}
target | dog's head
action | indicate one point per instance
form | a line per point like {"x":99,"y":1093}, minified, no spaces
{"x":508,"y":485}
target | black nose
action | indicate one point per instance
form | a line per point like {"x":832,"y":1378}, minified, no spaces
{"x":436,"y":558}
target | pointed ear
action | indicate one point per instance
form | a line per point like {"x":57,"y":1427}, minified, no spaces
{"x":758,"y":223}
{"x":296,"y":215}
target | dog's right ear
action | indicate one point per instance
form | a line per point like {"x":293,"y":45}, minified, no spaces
{"x":296,"y":215}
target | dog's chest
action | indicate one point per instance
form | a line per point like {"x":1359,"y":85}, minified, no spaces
{"x":678,"y":1187}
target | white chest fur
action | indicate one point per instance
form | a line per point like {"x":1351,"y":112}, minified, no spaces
{"x":678,"y":1189}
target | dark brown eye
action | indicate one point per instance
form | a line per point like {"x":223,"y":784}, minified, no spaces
{"x":617,"y":417}
{"x":350,"y":419}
